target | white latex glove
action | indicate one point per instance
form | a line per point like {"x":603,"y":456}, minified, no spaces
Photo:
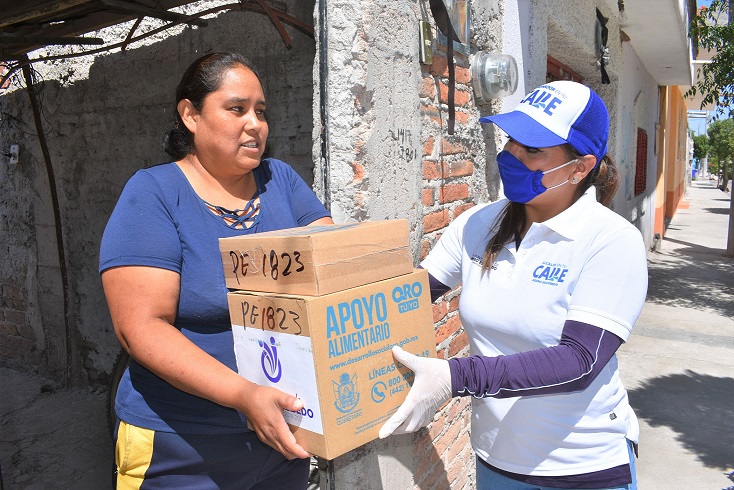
{"x":431,"y":389}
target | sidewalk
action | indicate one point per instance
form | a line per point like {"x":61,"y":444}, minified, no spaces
{"x":678,"y":365}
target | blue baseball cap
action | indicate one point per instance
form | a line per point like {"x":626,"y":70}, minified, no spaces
{"x":557,"y":113}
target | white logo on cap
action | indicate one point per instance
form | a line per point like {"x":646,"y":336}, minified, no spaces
{"x":540,"y":99}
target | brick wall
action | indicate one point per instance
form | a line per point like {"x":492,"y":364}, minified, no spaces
{"x":444,"y":451}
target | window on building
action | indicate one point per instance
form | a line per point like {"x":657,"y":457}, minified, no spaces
{"x":641,"y":167}
{"x":558,"y":71}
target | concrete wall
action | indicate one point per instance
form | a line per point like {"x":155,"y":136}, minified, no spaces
{"x":384,"y":152}
{"x":639,"y":108}
{"x":676,"y":141}
{"x":104,"y":118}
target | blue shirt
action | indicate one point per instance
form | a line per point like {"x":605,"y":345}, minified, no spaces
{"x":159,"y":221}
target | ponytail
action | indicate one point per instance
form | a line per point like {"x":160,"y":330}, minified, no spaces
{"x":605,"y":178}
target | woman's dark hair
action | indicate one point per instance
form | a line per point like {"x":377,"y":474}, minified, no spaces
{"x":200,"y":79}
{"x":511,"y":221}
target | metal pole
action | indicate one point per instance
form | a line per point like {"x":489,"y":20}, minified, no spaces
{"x":730,"y":240}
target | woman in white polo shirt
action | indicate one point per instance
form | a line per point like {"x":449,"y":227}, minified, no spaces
{"x":552,"y":283}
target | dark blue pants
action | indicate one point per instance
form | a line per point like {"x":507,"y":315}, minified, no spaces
{"x":150,"y":460}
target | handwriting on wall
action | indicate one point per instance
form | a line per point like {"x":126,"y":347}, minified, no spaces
{"x":403,"y":139}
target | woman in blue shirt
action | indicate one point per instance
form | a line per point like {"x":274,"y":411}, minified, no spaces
{"x":181,"y":404}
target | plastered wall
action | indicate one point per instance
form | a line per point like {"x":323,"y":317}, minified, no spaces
{"x":104,"y":117}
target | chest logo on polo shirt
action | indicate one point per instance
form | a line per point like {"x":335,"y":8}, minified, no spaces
{"x":476,"y":259}
{"x":550,"y":273}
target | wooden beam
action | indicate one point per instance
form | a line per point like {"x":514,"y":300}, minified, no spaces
{"x":46,"y":9}
{"x":122,"y":6}
{"x":36,"y":40}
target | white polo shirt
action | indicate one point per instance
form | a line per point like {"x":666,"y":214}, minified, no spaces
{"x":587,"y":264}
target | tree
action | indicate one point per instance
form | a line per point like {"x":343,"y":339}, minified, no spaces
{"x":721,"y":148}
{"x":712,"y":29}
{"x":714,"y":83}
{"x":700,"y":146}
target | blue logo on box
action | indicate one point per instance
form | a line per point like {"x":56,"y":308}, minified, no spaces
{"x":406,"y":296}
{"x":269,"y":360}
{"x":378,"y":392}
{"x":345,"y":393}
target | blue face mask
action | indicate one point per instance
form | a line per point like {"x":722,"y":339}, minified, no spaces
{"x":520,"y":183}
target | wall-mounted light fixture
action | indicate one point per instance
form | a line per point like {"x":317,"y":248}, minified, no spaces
{"x":493,"y":75}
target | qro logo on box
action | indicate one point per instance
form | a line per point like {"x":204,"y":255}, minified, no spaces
{"x":406,"y":296}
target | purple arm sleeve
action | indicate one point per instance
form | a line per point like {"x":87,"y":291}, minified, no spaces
{"x":572,"y":365}
{"x":438,"y":288}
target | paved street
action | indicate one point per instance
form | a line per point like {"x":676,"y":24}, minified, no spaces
{"x":678,"y":365}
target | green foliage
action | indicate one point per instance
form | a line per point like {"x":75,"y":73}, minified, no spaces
{"x":700,"y":146}
{"x":721,"y":146}
{"x":710,"y":30}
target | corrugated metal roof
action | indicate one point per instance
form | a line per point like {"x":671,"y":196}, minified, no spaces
{"x":33,"y":24}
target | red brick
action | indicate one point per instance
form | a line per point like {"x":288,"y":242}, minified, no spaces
{"x":435,"y":221}
{"x":428,"y":146}
{"x":457,"y":447}
{"x":440,"y":66}
{"x":449,"y":328}
{"x":454,"y":304}
{"x":427,"y":197}
{"x":439,"y":311}
{"x":433,"y":170}
{"x":448,"y":437}
{"x":427,"y":460}
{"x":463,"y":478}
{"x":461,"y":168}
{"x":458,"y":343}
{"x":461,"y":208}
{"x":453,"y":192}
{"x":461,"y":75}
{"x":434,"y":476}
{"x":461,"y":98}
{"x":453,"y":473}
{"x":425,"y":248}
{"x":451,"y":147}
{"x":358,"y":172}
{"x":428,"y":87}
{"x":461,"y":118}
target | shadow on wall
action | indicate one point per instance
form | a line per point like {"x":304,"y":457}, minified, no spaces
{"x":101,"y":129}
{"x":698,"y":407}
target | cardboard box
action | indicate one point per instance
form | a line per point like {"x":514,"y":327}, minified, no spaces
{"x":317,"y":260}
{"x":334,"y":352}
